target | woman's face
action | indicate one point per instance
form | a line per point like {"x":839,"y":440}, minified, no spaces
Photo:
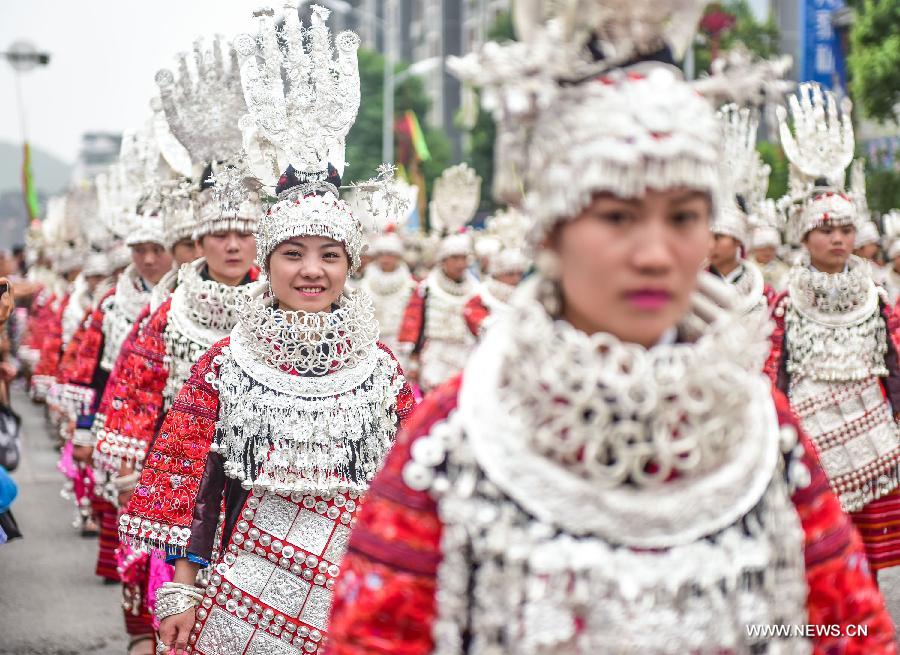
{"x":229,"y":255}
{"x":151,"y":260}
{"x":830,"y":247}
{"x":308,"y":273}
{"x":628,"y":267}
{"x":184,"y":252}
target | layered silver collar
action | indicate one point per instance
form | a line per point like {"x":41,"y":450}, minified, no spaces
{"x":379,"y":283}
{"x":204,"y":310}
{"x":306,"y":343}
{"x":607,"y":424}
{"x":833,"y":298}
{"x":438,"y":281}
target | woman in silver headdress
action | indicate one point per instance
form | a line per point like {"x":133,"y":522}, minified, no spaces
{"x":612,"y":473}
{"x":283,"y":424}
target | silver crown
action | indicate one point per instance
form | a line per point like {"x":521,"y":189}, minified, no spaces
{"x":820,"y":146}
{"x":455,"y":198}
{"x":743,"y":173}
{"x":232,"y":203}
{"x":301,"y":103}
{"x":569,"y":127}
{"x":203,"y":106}
{"x":300,"y":118}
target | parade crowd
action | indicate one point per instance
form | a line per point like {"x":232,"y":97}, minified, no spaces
{"x":643,"y":409}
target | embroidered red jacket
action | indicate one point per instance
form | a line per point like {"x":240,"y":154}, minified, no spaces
{"x":182,"y":484}
{"x":50,"y":340}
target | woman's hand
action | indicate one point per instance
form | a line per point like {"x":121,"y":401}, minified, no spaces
{"x":175,"y":630}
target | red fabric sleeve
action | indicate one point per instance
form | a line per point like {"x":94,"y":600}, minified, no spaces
{"x":132,"y":403}
{"x":173,"y":469}
{"x":412,"y":324}
{"x":50,"y":346}
{"x":78,"y":394}
{"x":406,"y":400}
{"x":70,"y":354}
{"x":770,"y":294}
{"x":474,"y":313}
{"x":773,"y":362}
{"x":842,"y":590}
{"x":384,"y":599}
{"x":89,"y":349}
{"x":37,"y":316}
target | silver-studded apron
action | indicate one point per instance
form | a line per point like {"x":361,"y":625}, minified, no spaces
{"x":272,"y":587}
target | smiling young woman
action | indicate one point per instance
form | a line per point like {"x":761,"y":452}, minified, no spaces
{"x":594,"y":481}
{"x":308,"y":273}
{"x":283,"y":423}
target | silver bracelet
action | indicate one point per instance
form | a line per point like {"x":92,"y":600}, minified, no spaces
{"x":174,"y":598}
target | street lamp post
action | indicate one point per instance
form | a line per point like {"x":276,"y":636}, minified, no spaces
{"x":23,"y":57}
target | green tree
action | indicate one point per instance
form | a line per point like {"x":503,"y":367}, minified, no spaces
{"x":773,"y":155}
{"x":759,"y":38}
{"x":364,"y":140}
{"x":882,"y":188}
{"x":874,"y":57}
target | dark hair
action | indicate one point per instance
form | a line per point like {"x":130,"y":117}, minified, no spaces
{"x":292,"y":178}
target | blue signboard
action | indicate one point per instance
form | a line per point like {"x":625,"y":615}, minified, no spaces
{"x":822,"y":57}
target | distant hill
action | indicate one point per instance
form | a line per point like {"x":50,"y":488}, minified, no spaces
{"x":51,"y":174}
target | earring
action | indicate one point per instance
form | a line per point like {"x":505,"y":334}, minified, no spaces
{"x":547,"y":263}
{"x":548,"y":295}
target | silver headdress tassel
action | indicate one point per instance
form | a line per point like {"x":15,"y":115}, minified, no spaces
{"x":203,"y":106}
{"x":554,"y":149}
{"x":820,"y":149}
{"x":294,"y":133}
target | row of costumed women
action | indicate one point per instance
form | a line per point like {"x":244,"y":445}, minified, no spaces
{"x":293,"y":437}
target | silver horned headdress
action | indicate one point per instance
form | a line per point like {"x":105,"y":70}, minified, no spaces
{"x":301,"y":103}
{"x":454,"y":201}
{"x":820,"y":149}
{"x":203,"y":105}
{"x":743,"y":174}
{"x":572,"y":124}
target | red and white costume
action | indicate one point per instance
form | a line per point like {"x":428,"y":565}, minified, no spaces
{"x":434,"y":328}
{"x":390,"y":292}
{"x":483,"y":532}
{"x":282,"y":425}
{"x":576,"y":493}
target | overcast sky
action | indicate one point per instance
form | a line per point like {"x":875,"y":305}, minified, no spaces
{"x":105,"y":54}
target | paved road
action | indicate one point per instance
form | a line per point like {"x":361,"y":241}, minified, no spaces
{"x":51,"y":603}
